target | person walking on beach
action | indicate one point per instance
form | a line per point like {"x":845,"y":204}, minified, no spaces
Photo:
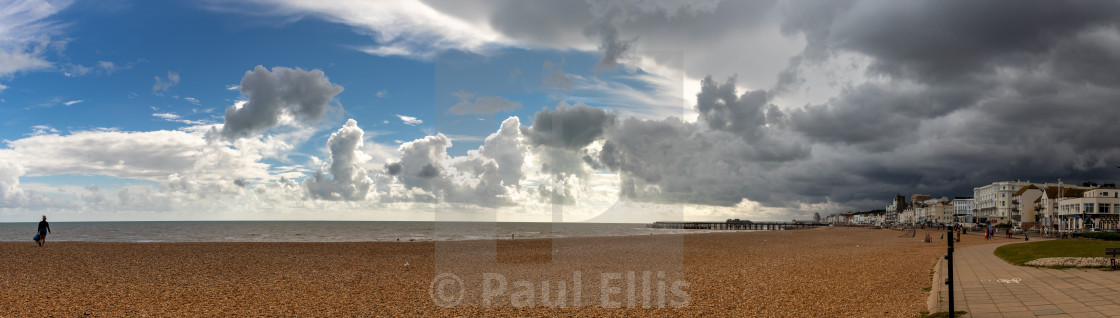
{"x":44,"y":228}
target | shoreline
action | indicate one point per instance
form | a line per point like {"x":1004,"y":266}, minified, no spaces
{"x":496,"y":238}
{"x":826,"y":271}
{"x":220,"y":231}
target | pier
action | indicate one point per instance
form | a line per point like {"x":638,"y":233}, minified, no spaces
{"x":733,"y":225}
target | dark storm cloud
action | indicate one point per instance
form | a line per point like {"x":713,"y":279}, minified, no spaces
{"x":963,"y":93}
{"x":721,"y":109}
{"x":561,"y":23}
{"x":603,"y":27}
{"x":570,"y":127}
{"x":944,"y":40}
{"x":878,"y":116}
{"x":301,"y":94}
{"x":1091,"y":57}
{"x":540,"y":21}
{"x":714,"y":161}
{"x":393,"y":169}
{"x":674,"y":161}
{"x":428,"y":171}
{"x":957,"y":94}
{"x":685,"y":163}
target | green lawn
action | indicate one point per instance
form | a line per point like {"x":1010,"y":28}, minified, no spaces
{"x":1021,"y":253}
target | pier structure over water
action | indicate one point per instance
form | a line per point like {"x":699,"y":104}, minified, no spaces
{"x":733,"y":224}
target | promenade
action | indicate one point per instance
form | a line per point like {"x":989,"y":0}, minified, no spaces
{"x":987,"y":286}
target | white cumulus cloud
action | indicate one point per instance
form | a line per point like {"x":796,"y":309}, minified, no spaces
{"x":348,"y":180}
{"x":409,"y":120}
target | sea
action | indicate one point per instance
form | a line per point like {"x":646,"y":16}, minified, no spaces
{"x":319,"y":231}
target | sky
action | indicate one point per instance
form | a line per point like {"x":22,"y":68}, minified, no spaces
{"x":543,"y":111}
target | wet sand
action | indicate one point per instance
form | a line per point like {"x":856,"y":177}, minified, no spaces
{"x":817,"y":272}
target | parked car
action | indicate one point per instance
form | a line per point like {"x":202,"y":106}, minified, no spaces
{"x":1016,"y":229}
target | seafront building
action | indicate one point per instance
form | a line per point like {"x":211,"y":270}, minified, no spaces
{"x":962,"y":209}
{"x":908,"y":216}
{"x":1024,"y":206}
{"x":868,"y":218}
{"x":874,"y":217}
{"x":893,"y":210}
{"x":1052,"y":195}
{"x":993,"y":201}
{"x":934,"y":211}
{"x":1057,"y":206}
{"x":1095,"y":209}
{"x":917,"y":213}
{"x":1037,"y":204}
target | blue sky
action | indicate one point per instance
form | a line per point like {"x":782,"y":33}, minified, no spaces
{"x":609,"y":111}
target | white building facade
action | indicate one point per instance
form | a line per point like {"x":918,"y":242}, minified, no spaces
{"x":962,"y":209}
{"x":1095,"y":209}
{"x":993,"y":202}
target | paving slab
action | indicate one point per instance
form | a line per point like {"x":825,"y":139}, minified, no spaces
{"x":987,"y":286}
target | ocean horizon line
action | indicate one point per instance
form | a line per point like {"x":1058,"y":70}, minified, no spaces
{"x":321,"y":231}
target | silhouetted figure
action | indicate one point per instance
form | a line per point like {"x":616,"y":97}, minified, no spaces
{"x":44,"y":228}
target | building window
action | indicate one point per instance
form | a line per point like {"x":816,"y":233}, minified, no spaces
{"x":1103,"y":208}
{"x":1088,"y":208}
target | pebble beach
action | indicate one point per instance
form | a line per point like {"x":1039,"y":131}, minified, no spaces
{"x":797,"y":273}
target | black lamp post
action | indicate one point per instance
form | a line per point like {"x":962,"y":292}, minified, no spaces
{"x":949,"y":261}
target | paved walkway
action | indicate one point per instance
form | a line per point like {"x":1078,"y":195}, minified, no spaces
{"x":987,"y":286}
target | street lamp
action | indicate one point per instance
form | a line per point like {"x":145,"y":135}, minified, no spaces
{"x":949,"y":262}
